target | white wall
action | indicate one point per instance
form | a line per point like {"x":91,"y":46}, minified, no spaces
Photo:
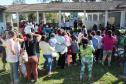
{"x":98,"y":0}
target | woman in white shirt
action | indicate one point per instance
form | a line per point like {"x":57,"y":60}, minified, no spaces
{"x":47,"y":54}
{"x":61,"y":48}
{"x":12,"y":57}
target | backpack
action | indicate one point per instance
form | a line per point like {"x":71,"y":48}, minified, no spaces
{"x":121,"y":41}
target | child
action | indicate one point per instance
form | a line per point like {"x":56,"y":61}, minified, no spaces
{"x":68,"y":44}
{"x":86,"y":58}
{"x":74,"y":48}
{"x":3,"y":55}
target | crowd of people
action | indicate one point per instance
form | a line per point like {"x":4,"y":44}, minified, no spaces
{"x":90,"y":47}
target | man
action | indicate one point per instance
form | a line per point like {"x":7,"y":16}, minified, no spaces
{"x":28,"y":28}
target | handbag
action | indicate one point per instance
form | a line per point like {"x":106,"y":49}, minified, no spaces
{"x":24,"y":56}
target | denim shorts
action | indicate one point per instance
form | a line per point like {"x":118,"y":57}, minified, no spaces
{"x":107,"y":53}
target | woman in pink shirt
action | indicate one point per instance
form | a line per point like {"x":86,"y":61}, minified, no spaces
{"x":108,"y":42}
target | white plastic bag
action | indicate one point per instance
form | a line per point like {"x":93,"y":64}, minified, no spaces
{"x":23,"y":70}
{"x":24,"y":56}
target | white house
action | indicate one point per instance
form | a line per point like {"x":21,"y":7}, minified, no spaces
{"x":96,"y":12}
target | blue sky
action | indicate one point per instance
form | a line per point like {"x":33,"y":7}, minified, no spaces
{"x":9,"y":2}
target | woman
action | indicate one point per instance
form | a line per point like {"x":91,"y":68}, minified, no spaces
{"x":61,"y":48}
{"x":86,"y":58}
{"x":99,"y":50}
{"x":32,"y":64}
{"x":108,"y":42}
{"x":53,"y":42}
{"x":47,"y":54}
{"x":12,"y":57}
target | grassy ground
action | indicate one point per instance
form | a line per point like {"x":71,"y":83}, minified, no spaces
{"x":70,"y":75}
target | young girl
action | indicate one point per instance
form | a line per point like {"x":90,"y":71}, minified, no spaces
{"x":86,"y":58}
{"x":68,"y":44}
{"x":74,"y":49}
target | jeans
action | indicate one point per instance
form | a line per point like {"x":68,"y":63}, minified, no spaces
{"x":14,"y":72}
{"x":48,"y":62}
{"x":124,"y":69}
{"x":89,"y":62}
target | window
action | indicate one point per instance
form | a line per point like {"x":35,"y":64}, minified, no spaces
{"x":102,"y":18}
{"x":95,"y":17}
{"x":89,"y":17}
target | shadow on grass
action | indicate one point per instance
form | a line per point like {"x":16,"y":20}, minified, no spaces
{"x":107,"y":75}
{"x":70,"y":75}
{"x":119,"y":82}
{"x":4,"y":77}
{"x":101,"y":75}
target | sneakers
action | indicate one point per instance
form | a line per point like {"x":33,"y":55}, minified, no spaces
{"x":102,"y":63}
{"x":122,"y":76}
{"x":50,"y":73}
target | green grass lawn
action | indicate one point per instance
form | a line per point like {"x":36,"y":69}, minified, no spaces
{"x":70,"y":75}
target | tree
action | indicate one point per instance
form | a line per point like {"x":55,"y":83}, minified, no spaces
{"x":50,"y":1}
{"x":43,"y":1}
{"x":18,"y":2}
{"x":31,"y":17}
